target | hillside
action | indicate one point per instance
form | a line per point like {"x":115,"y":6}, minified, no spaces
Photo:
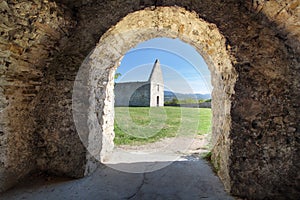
{"x":168,"y":95}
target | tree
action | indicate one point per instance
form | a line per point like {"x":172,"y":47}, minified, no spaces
{"x":117,"y":75}
{"x":174,"y":101}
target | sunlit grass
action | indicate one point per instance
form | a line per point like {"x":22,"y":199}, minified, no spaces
{"x":140,"y":125}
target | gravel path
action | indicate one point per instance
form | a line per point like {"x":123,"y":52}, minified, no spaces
{"x":197,"y":144}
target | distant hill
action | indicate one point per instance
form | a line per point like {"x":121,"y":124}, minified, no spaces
{"x":168,"y":95}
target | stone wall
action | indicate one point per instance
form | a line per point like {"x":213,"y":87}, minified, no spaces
{"x":30,"y":35}
{"x":141,"y":97}
{"x":132,"y":94}
{"x":257,"y":153}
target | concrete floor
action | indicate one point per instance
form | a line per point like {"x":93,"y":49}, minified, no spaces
{"x":186,"y":179}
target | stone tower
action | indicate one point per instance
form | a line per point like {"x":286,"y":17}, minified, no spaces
{"x":156,"y":86}
{"x":147,"y":93}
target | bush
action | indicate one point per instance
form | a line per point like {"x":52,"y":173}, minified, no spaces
{"x":173,"y":102}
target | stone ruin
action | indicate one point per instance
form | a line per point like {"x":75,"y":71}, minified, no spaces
{"x":252,"y":49}
{"x":148,"y":93}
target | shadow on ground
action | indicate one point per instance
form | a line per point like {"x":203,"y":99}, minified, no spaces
{"x":179,"y":180}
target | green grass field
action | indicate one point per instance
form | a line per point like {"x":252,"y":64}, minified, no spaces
{"x":140,"y":125}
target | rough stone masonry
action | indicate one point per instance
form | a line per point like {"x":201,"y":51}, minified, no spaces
{"x":43,"y":44}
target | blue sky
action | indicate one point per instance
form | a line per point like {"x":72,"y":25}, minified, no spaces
{"x":184,"y":69}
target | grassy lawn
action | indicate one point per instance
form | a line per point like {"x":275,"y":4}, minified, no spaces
{"x":139,"y":125}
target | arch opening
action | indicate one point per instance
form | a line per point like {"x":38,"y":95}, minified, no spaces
{"x":173,"y":131}
{"x":101,"y":64}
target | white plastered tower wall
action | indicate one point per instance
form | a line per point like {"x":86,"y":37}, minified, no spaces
{"x":156,"y":86}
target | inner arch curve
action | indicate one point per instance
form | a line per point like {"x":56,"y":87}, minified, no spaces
{"x":97,"y":74}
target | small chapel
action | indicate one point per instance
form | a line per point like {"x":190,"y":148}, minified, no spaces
{"x":148,"y":93}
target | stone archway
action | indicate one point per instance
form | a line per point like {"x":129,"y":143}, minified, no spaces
{"x":40,"y":58}
{"x":172,"y":22}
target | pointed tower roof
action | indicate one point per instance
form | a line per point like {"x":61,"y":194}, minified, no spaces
{"x":156,"y":71}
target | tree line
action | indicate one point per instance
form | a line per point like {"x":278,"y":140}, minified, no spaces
{"x":177,"y":102}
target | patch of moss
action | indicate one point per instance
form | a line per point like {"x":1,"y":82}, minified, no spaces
{"x":214,"y":162}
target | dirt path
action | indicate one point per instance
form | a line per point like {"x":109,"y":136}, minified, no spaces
{"x":196,"y":145}
{"x":155,"y":156}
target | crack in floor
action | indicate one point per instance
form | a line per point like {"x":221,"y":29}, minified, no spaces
{"x":138,"y":188}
